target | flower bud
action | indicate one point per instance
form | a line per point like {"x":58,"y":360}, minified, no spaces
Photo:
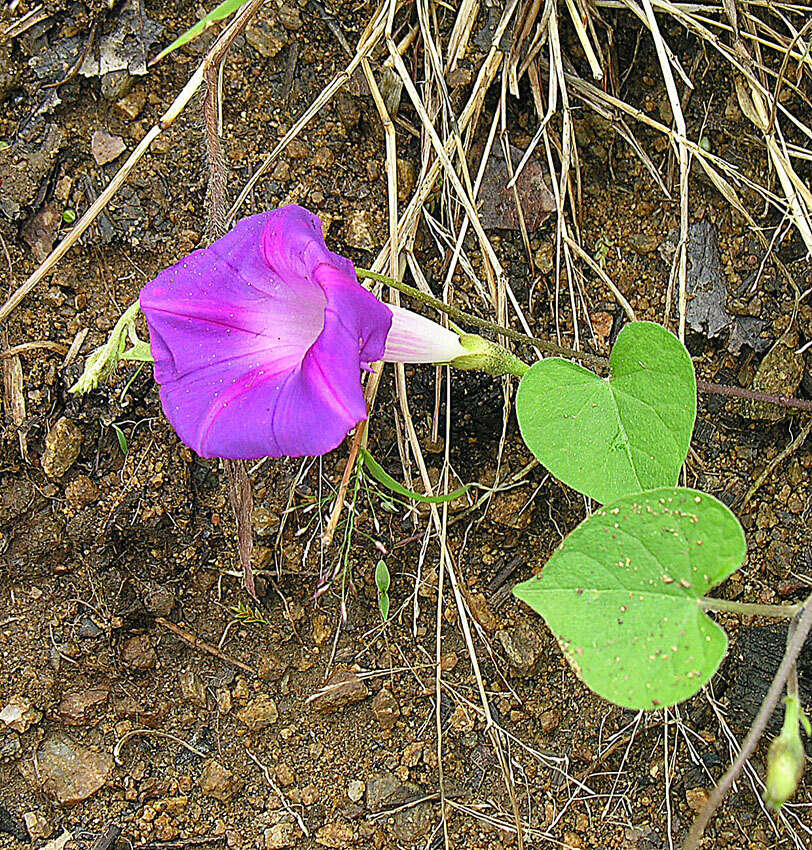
{"x":786,"y":757}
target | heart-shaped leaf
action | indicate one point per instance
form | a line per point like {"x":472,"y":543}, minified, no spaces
{"x":622,"y":595}
{"x":608,"y":437}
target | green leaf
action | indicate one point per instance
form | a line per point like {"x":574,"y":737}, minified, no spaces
{"x":382,"y":581}
{"x":140,"y":352}
{"x":382,"y":577}
{"x":383,"y":477}
{"x":222,"y":11}
{"x":621,"y":594}
{"x":122,"y":438}
{"x":608,"y":437}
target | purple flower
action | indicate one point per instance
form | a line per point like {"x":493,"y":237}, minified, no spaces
{"x":259,"y":340}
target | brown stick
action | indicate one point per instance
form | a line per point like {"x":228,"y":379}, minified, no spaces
{"x":332,"y":524}
{"x":179,"y":845}
{"x":242,"y":503}
{"x":58,"y":347}
{"x":108,"y":838}
{"x":196,"y":643}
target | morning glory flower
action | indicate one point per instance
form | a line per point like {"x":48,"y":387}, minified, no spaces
{"x":259,"y":340}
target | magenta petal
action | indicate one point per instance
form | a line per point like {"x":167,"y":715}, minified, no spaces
{"x":259,"y":340}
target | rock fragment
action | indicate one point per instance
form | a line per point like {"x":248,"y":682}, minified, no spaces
{"x":386,"y":708}
{"x":342,"y":688}
{"x":82,"y":492}
{"x":38,"y":825}
{"x":284,"y":774}
{"x":19,"y":714}
{"x":260,"y":713}
{"x":696,"y":798}
{"x":644,"y":243}
{"x":336,"y":835}
{"x":360,"y":230}
{"x":70,"y":772}
{"x":76,"y":707}
{"x":409,"y":823}
{"x":219,"y":782}
{"x":39,"y":232}
{"x":138,"y":653}
{"x":105,"y":147}
{"x":280,"y":836}
{"x":290,"y":17}
{"x":779,"y":373}
{"x":271,"y":667}
{"x":62,"y":446}
{"x":131,"y":105}
{"x":482,"y":611}
{"x":355,"y":790}
{"x":264,"y":38}
{"x":523,"y":647}
{"x":192,"y":688}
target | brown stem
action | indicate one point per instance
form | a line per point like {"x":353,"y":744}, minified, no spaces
{"x":332,"y":523}
{"x":239,"y":483}
{"x":754,"y":395}
{"x":561,"y":350}
{"x":218,"y":176}
{"x":796,"y":636}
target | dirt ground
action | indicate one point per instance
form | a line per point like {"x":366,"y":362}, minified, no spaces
{"x":145,"y":689}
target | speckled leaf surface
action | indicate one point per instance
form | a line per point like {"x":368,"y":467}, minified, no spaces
{"x":621,"y":595}
{"x":608,"y":437}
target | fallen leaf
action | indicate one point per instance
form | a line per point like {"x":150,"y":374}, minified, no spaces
{"x":40,"y":230}
{"x":497,"y":202}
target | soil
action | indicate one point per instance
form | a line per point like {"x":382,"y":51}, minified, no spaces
{"x":145,"y":688}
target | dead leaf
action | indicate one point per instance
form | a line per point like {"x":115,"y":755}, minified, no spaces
{"x":125,"y":47}
{"x":497,"y":202}
{"x":40,"y":230}
{"x":13,"y":390}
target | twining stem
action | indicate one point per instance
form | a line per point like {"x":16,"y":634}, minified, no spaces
{"x":239,"y":481}
{"x":799,"y":629}
{"x":551,"y":348}
{"x":780,"y":612}
{"x":483,"y":324}
{"x":754,"y":395}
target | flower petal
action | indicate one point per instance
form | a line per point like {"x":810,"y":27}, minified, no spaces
{"x":259,"y":340}
{"x":416,"y":339}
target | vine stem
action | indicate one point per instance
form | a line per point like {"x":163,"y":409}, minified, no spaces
{"x":798,"y":630}
{"x":779,"y":612}
{"x":239,"y":482}
{"x":552,"y":348}
{"x":482,"y":324}
{"x":754,"y":395}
